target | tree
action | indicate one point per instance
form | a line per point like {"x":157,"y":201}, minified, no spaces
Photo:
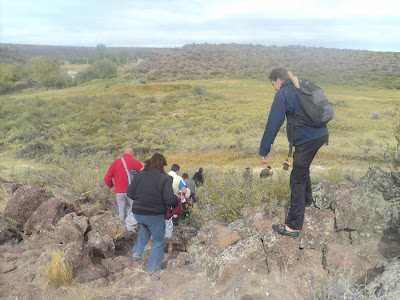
{"x":101,"y":51}
{"x":47,"y":71}
{"x":9,"y":75}
{"x":101,"y":69}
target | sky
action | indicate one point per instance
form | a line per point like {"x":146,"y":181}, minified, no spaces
{"x":350,"y":24}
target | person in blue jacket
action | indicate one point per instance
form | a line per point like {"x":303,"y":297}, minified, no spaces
{"x":306,"y":140}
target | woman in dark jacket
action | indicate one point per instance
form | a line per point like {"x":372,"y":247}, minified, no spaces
{"x":151,"y":190}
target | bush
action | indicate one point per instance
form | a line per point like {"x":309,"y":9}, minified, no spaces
{"x":228,"y":191}
{"x":47,"y":71}
{"x":9,"y":75}
{"x":101,"y":69}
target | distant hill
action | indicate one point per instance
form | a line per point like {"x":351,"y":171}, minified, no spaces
{"x":10,"y":53}
{"x":235,"y":60}
{"x":192,"y":61}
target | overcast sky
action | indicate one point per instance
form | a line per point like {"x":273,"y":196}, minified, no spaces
{"x":353,"y":24}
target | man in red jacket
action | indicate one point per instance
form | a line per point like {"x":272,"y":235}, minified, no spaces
{"x":117,"y":179}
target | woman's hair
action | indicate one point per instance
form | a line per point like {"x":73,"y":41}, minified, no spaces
{"x":157,"y":161}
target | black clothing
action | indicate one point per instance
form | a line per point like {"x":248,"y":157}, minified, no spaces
{"x":198,"y":178}
{"x":151,"y":191}
{"x":300,"y":183}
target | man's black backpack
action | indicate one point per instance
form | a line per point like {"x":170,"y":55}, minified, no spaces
{"x":315,"y":108}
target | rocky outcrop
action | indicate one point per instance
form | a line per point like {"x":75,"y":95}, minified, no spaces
{"x":24,"y":202}
{"x":105,"y":231}
{"x":46,"y":216}
{"x":319,"y":229}
{"x":351,"y":227}
{"x":71,"y":228}
{"x":387,"y":284}
{"x":386,"y":183}
{"x":11,"y":187}
{"x":9,"y":232}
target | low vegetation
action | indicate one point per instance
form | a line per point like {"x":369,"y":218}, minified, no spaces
{"x":57,"y":272}
{"x":200,"y":105}
{"x":4,"y":197}
{"x":229,"y":190}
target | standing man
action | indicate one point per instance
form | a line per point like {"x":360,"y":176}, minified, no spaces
{"x":117,"y":179}
{"x":306,"y":140}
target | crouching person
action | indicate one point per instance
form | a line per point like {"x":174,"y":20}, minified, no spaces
{"x":151,"y":191}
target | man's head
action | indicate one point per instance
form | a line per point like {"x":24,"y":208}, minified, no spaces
{"x":201,"y":170}
{"x":175,"y":168}
{"x":277,"y":76}
{"x":129,"y":151}
{"x":185,"y":176}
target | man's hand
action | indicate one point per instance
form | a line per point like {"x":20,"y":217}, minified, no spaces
{"x":262,"y":160}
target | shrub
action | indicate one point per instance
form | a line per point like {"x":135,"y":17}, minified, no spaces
{"x":9,"y":74}
{"x":57,"y":272}
{"x":101,"y":69}
{"x":225,"y":194}
{"x":46,"y":70}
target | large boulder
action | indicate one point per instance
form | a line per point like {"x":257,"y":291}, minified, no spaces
{"x":106,"y":230}
{"x":318,"y":229}
{"x":246,"y":255}
{"x":323,"y":194}
{"x":71,"y":228}
{"x":387,"y":183}
{"x":24,"y":202}
{"x":77,"y":256}
{"x":260,"y":218}
{"x":363,"y":211}
{"x":48,"y":214}
{"x":211,"y":240}
{"x":387,"y":284}
{"x":8,"y":231}
{"x":340,"y":257}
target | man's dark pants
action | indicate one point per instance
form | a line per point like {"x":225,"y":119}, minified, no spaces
{"x":300,"y":183}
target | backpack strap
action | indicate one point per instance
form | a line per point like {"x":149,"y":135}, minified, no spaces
{"x":126,"y":170}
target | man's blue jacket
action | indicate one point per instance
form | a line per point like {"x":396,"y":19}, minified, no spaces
{"x":286,"y":103}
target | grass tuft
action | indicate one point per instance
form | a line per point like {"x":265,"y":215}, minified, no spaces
{"x":57,"y":272}
{"x":4,"y":197}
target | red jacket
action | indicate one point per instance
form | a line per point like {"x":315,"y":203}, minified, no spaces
{"x":116,"y":176}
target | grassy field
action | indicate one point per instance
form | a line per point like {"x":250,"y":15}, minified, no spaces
{"x":194,"y":123}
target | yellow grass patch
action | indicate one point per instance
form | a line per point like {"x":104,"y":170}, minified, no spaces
{"x":4,"y":197}
{"x":57,"y":272}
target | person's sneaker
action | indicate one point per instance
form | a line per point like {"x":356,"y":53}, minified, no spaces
{"x":136,"y":256}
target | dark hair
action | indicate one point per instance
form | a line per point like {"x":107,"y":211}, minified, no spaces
{"x":175,"y":168}
{"x":157,"y":161}
{"x":280,"y":73}
{"x":185,"y":175}
{"x":201,"y":170}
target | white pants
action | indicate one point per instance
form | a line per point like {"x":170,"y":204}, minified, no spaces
{"x":126,"y":217}
{"x":169,"y":227}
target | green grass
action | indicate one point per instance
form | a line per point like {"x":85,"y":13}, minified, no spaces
{"x":194,"y":123}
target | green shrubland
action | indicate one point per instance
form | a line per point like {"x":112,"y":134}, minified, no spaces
{"x":67,"y":138}
{"x":227,"y":191}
